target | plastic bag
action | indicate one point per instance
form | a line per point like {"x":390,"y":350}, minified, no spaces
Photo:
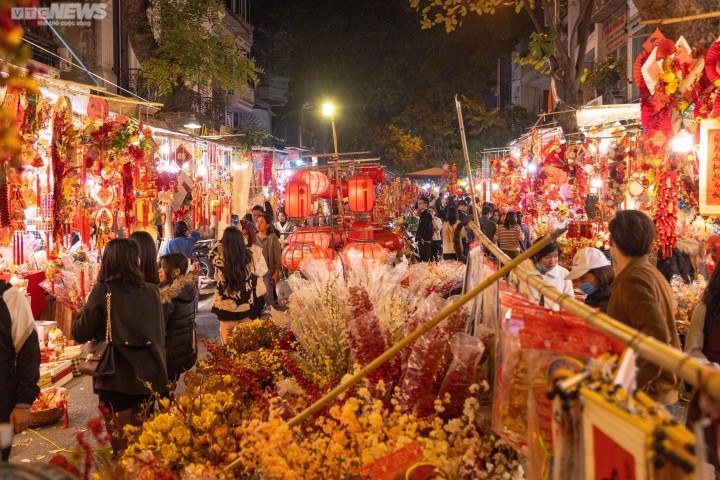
{"x":462,"y":373}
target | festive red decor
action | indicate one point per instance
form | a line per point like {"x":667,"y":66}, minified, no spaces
{"x":296,"y":254}
{"x":375,"y":172}
{"x":388,"y":239}
{"x":310,"y":235}
{"x":297,"y":199}
{"x":333,"y":190}
{"x":361,"y":193}
{"x":360,"y":231}
{"x":317,"y":181}
{"x":365,"y":250}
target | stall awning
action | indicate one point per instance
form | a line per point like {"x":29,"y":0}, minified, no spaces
{"x":427,"y":173}
{"x":607,"y":115}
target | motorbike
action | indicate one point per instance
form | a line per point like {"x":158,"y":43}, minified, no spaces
{"x":201,"y":256}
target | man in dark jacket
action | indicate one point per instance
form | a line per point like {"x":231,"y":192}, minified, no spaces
{"x":642,"y":299}
{"x":487,"y":226}
{"x":19,"y":361}
{"x":424,"y":233}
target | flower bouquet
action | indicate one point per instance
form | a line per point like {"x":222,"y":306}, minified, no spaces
{"x":70,"y":278}
{"x":686,"y":298}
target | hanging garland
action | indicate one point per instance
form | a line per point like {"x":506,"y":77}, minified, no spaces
{"x":666,"y":212}
{"x":64,"y":171}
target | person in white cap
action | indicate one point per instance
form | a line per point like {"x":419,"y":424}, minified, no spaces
{"x":592,"y":269}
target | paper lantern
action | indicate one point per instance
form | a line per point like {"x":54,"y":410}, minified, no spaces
{"x":360,"y":231}
{"x":297,"y":199}
{"x":333,"y":189}
{"x":361,"y":193}
{"x":317,"y":181}
{"x":310,"y":235}
{"x":388,"y":239}
{"x":374,"y":171}
{"x":365,"y":251}
{"x":296,"y":254}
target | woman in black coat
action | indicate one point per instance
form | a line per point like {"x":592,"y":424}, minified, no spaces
{"x":138,"y":335}
{"x":178,"y":293}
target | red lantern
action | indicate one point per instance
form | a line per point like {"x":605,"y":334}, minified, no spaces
{"x":337,"y":238}
{"x":389,"y":239}
{"x":373,"y":171}
{"x":310,"y":235}
{"x":296,"y":254}
{"x":365,"y":251}
{"x":333,"y":189}
{"x":361,"y":193}
{"x":317,"y":181}
{"x":360,"y":231}
{"x":297,"y":199}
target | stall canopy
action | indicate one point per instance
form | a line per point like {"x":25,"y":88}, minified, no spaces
{"x":427,"y":173}
{"x":606,"y":115}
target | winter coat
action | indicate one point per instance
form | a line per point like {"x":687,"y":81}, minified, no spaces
{"x":599,"y":299}
{"x":232,"y":305}
{"x":178,"y":301}
{"x":642,"y":300}
{"x":271,"y":252}
{"x":138,"y":334}
{"x":19,"y":352}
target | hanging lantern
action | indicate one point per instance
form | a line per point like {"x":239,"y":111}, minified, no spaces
{"x":333,"y":189}
{"x":360,"y":231}
{"x":317,"y":181}
{"x":296,"y":254}
{"x":375,"y":172}
{"x":364,"y":250}
{"x":310,"y":235}
{"x":297,"y":199}
{"x":388,"y":239}
{"x":361,"y":193}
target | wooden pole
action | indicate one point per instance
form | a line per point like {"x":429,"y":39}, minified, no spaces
{"x":659,"y":353}
{"x":687,"y":18}
{"x":417,"y":333}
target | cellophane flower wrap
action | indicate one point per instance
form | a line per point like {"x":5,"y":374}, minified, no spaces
{"x":70,"y":278}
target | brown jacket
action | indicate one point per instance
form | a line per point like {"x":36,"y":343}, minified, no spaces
{"x":643,"y":299}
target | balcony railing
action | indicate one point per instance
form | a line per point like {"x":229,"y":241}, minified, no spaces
{"x":133,"y":79}
{"x":210,"y":107}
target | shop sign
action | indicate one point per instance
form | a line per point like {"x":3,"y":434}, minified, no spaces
{"x":709,"y":161}
{"x":614,"y":33}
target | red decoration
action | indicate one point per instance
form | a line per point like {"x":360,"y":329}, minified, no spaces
{"x":360,"y":231}
{"x":333,"y":189}
{"x":375,"y":172}
{"x":361,"y":193}
{"x":297,"y":199}
{"x":97,"y":108}
{"x":388,"y":239}
{"x":182,"y":155}
{"x":296,"y":254}
{"x":310,"y":235}
{"x":365,"y":250}
{"x":317,"y":181}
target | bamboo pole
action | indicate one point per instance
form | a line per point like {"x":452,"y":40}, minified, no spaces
{"x":417,"y":333}
{"x":686,"y":18}
{"x":466,"y":155}
{"x":659,"y":353}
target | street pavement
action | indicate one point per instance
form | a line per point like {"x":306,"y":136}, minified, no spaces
{"x":39,"y":445}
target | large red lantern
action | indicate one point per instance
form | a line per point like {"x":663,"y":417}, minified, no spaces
{"x":375,"y":172}
{"x":297,"y":198}
{"x":361,"y":193}
{"x":310,"y":235}
{"x":360,"y":231}
{"x":333,"y":190}
{"x":296,"y":254}
{"x":388,"y":239}
{"x":317,"y":181}
{"x":364,"y":250}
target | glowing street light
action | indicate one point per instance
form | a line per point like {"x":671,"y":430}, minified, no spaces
{"x":328,"y":110}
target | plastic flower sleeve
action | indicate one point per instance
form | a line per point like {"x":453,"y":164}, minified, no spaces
{"x":462,"y":373}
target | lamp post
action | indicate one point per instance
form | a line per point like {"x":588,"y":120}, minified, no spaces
{"x":328,"y":110}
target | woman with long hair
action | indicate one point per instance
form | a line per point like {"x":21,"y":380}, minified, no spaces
{"x":703,"y":342}
{"x":235,"y":277}
{"x":148,"y":256}
{"x":177,"y":294}
{"x":271,"y":251}
{"x":283,"y":227}
{"x":448,"y":233}
{"x":138,"y":337}
{"x":509,"y":236}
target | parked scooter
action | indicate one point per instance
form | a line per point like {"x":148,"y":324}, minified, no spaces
{"x":201,"y":255}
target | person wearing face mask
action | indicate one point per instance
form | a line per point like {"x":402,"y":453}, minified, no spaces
{"x":594,"y":274}
{"x":545,"y":265}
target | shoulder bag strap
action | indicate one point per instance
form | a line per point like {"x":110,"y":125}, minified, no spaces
{"x":108,"y":326}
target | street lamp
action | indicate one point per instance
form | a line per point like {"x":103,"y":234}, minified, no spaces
{"x":328,"y":110}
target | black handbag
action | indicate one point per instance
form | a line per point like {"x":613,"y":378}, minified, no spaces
{"x":98,"y":357}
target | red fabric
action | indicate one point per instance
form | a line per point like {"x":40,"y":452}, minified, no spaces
{"x":36,"y":292}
